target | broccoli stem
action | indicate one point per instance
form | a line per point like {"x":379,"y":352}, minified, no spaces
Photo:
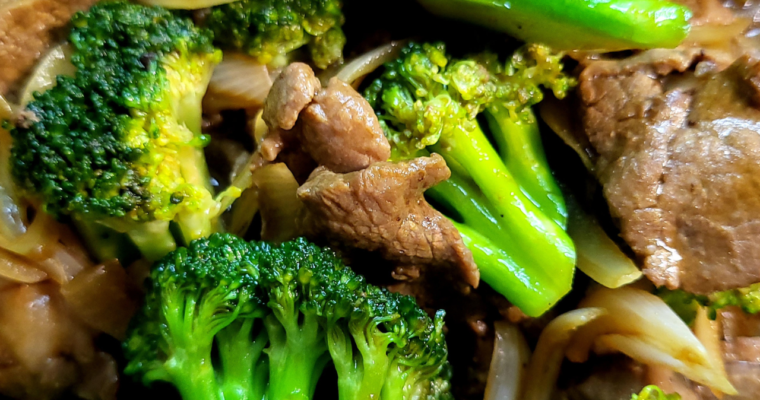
{"x":341,"y":349}
{"x":199,"y":220}
{"x":520,"y":147}
{"x":296,"y":355}
{"x":576,"y":24}
{"x":529,"y":229}
{"x":190,"y":365}
{"x":105,"y":243}
{"x":244,"y":373}
{"x":408,"y":382}
{"x":373,"y":346}
{"x":531,"y":286}
{"x":393,"y":388}
{"x":154,"y":239}
{"x":193,"y":375}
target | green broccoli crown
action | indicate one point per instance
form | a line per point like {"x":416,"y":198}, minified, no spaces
{"x":424,"y":94}
{"x":686,"y":304}
{"x":112,"y":141}
{"x":268,"y":29}
{"x":653,"y":392}
{"x":747,"y":298}
{"x":278,"y":315}
{"x":192,"y":294}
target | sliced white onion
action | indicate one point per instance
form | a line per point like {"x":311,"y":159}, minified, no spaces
{"x":185,"y":4}
{"x":598,"y":256}
{"x":508,"y":363}
{"x":708,"y":333}
{"x":7,"y":110}
{"x":278,"y":202}
{"x":11,"y":219}
{"x":238,"y":82}
{"x":243,"y":211}
{"x":368,"y":62}
{"x":101,"y":298}
{"x":545,"y":363}
{"x":56,"y":62}
{"x":710,"y":35}
{"x":641,"y":326}
{"x":557,"y":116}
{"x":18,"y":269}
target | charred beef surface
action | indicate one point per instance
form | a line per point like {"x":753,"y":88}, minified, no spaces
{"x":382,"y":208}
{"x":680,"y":166}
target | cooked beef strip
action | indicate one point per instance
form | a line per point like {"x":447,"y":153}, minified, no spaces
{"x":382,"y":208}
{"x":291,"y":92}
{"x":340,"y":130}
{"x":27,"y":29}
{"x":680,"y":168}
{"x":334,"y":126}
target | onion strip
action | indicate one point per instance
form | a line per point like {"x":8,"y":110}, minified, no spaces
{"x":56,"y":62}
{"x":11,"y":220}
{"x":18,"y":269}
{"x":597,"y":255}
{"x":368,"y":62}
{"x":544,"y":366}
{"x":555,"y":113}
{"x":508,"y":363}
{"x":238,"y":82}
{"x":641,"y":326}
{"x":43,"y":232}
{"x":278,"y":203}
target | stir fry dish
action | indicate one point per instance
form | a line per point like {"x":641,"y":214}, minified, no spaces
{"x":406,"y":200}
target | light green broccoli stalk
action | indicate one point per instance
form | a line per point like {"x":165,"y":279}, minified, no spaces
{"x":502,"y":196}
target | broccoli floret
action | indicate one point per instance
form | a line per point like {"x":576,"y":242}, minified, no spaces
{"x":269,"y":29}
{"x":503,"y":199}
{"x":685,"y":304}
{"x":120,"y":144}
{"x":278,"y":315}
{"x":747,"y":298}
{"x":653,"y":392}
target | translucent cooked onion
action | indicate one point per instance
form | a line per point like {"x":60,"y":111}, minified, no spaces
{"x":56,"y":62}
{"x":18,"y":269}
{"x":238,"y":82}
{"x":102,"y":297}
{"x":508,"y":363}
{"x":545,"y":363}
{"x":32,"y":324}
{"x":62,"y":266}
{"x":185,"y":4}
{"x":368,"y":62}
{"x":641,"y":326}
{"x":35,"y":243}
{"x":11,"y":220}
{"x":598,"y":256}
{"x":710,"y":35}
{"x":556,"y":114}
{"x":278,"y":202}
{"x":708,"y":333}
